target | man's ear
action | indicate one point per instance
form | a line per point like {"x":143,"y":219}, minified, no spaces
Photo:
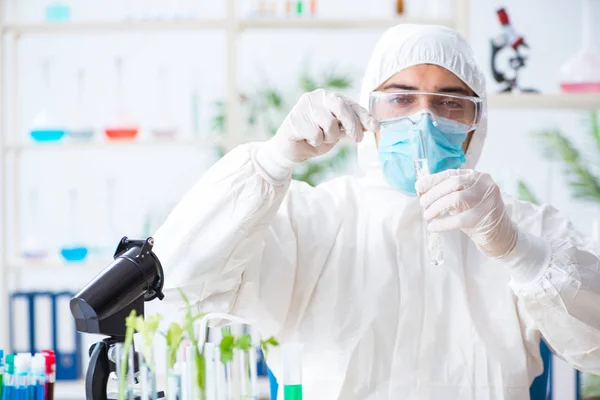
{"x":467,"y":141}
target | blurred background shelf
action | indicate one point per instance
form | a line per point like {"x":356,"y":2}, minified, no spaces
{"x":544,"y":101}
{"x":321,"y":23}
{"x":112,"y":26}
{"x":74,"y":145}
{"x":58,"y":266}
{"x":196,"y":24}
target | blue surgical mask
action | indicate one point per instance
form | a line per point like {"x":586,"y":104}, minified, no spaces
{"x":443,"y":140}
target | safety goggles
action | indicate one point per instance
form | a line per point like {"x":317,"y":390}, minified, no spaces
{"x":392,"y":106}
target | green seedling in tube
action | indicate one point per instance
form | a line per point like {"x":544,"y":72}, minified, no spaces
{"x":174,"y":338}
{"x":198,"y":356}
{"x":130,"y":323}
{"x":147,"y":329}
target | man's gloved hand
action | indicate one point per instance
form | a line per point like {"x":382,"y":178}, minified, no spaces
{"x":311,"y":129}
{"x":471,"y":201}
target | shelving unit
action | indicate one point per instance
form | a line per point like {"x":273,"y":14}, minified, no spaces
{"x":12,"y":145}
{"x":527,"y":101}
{"x":98,"y":27}
{"x":106,"y":145}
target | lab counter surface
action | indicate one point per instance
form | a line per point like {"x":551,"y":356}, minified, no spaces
{"x":75,"y":390}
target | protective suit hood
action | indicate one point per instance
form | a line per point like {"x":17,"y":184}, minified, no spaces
{"x":404,"y":46}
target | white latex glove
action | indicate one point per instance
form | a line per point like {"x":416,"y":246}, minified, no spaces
{"x":471,"y":201}
{"x":311,"y":129}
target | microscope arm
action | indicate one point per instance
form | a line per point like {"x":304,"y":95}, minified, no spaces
{"x":96,"y":378}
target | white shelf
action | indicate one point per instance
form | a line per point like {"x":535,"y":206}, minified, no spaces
{"x":189,"y":24}
{"x":544,"y":101}
{"x":112,"y":26}
{"x":103,"y":145}
{"x":322,"y":23}
{"x":88,"y":269}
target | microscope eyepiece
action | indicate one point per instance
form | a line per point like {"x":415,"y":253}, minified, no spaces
{"x":134,"y":276}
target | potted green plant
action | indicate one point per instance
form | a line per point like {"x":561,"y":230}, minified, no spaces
{"x":267,"y":106}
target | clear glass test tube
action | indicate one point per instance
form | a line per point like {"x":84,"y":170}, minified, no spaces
{"x":433,"y":239}
{"x":131,"y":379}
{"x":174,"y":383}
{"x":122,"y":364}
{"x":147,"y":379}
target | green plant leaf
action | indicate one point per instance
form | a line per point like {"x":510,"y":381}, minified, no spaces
{"x":590,"y":386}
{"x":226,"y":348}
{"x":338,"y":82}
{"x":147,"y":327}
{"x":524,"y":193}
{"x":174,"y":338}
{"x":595,"y":127}
{"x":243,"y":342}
{"x":218,"y":120}
{"x":200,"y":369}
{"x":266,"y":344}
{"x":583,"y":182}
{"x":307,"y":83}
{"x":272,"y":99}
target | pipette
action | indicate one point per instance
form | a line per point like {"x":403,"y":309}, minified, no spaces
{"x":434,"y":240}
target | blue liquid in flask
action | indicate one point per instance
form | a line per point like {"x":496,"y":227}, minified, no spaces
{"x":47,"y":135}
{"x":74,"y":253}
{"x":58,"y":12}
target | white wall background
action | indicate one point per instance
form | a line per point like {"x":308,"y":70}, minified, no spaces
{"x":152,"y":179}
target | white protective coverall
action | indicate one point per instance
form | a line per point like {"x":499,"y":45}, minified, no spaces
{"x":342,"y":268}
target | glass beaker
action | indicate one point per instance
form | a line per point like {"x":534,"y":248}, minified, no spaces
{"x":33,"y":249}
{"x":47,"y":125}
{"x":74,"y":250}
{"x":164,"y":127}
{"x":581,"y":73}
{"x":122,"y":126}
{"x":81,"y":128}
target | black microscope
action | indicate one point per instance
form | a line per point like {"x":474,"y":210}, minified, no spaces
{"x":514,"y":44}
{"x":134,"y":277}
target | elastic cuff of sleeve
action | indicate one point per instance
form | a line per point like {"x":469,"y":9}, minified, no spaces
{"x":530,"y":258}
{"x":276,"y":168}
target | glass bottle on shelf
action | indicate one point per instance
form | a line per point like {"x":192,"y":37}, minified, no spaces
{"x":195,"y":107}
{"x":82,"y":127}
{"x":47,"y":125}
{"x":33,"y":249}
{"x":399,"y":7}
{"x":164,"y":127}
{"x":581,"y":73}
{"x":122,"y":126}
{"x":74,"y":250}
{"x":58,"y":11}
{"x":133,"y":9}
